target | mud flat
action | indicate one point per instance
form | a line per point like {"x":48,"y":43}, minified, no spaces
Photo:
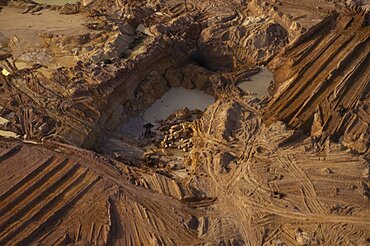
{"x":258,"y":83}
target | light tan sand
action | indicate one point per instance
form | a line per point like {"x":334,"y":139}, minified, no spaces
{"x":8,"y":134}
{"x":25,"y":27}
{"x":19,"y":33}
{"x":3,"y":120}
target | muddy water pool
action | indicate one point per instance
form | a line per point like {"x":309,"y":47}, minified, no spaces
{"x":258,"y":83}
{"x":175,"y":99}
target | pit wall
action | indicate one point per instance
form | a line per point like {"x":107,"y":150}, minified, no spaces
{"x":139,"y":89}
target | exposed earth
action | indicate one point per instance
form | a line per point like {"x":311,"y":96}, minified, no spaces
{"x":193,"y":122}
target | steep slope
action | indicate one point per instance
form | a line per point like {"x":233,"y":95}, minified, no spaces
{"x":322,"y":80}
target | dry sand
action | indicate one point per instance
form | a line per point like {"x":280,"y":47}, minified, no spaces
{"x":27,"y":26}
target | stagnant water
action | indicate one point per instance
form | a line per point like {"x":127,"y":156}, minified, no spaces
{"x":174,"y":99}
{"x":179,"y":98}
{"x":258,"y":83}
{"x":55,"y":2}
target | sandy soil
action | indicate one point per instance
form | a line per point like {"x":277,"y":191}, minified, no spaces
{"x":19,"y":33}
{"x":27,"y":26}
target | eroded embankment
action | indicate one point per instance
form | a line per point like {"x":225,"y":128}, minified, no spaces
{"x":323,"y":81}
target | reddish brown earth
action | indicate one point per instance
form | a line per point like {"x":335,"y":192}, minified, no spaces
{"x":288,"y":169}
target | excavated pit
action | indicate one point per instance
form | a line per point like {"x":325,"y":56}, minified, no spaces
{"x":100,"y":160}
{"x":142,"y":125}
{"x":175,"y":99}
{"x":147,"y":128}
